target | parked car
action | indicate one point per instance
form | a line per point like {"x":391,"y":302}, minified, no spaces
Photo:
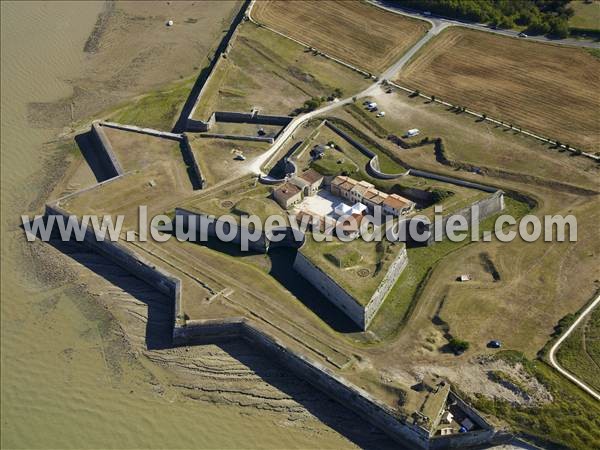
{"x":240,"y":157}
{"x":523,"y":35}
{"x":494,"y":344}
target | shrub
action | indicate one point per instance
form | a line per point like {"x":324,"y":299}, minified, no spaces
{"x":440,"y":194}
{"x":558,"y":27}
{"x":458,"y":345}
{"x":312,"y":104}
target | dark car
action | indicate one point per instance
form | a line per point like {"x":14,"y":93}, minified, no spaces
{"x":494,"y":344}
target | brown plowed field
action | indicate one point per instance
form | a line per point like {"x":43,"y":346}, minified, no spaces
{"x":551,"y":90}
{"x":357,"y":33}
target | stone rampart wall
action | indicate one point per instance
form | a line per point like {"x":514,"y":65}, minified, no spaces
{"x":373,"y":166}
{"x":207,"y":331}
{"x":142,"y":130}
{"x":360,"y":147}
{"x":341,"y":390}
{"x":375,"y":171}
{"x":462,"y":440}
{"x":215,"y":330}
{"x":330,"y":289}
{"x":105,"y":150}
{"x":198,"y":126}
{"x":486,"y":207}
{"x":190,"y":160}
{"x":192,"y":124}
{"x":239,"y":137}
{"x":452,"y":180}
{"x":261,"y":119}
{"x":156,"y":277}
{"x":390,"y":278}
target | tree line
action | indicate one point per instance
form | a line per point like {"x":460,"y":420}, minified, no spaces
{"x":548,"y":17}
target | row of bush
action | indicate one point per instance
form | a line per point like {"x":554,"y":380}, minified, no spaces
{"x":461,"y":109}
{"x":314,"y":102}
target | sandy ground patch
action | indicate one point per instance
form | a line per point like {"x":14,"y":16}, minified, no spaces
{"x":132,"y":52}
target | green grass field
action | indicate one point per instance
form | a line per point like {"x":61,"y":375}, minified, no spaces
{"x":158,"y":110}
{"x":587,"y":15}
{"x":406,"y":291}
{"x":580,"y":352}
{"x":245,"y":197}
{"x":334,"y":162}
{"x":343,"y":261}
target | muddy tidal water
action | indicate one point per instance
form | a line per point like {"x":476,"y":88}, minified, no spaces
{"x":59,"y":387}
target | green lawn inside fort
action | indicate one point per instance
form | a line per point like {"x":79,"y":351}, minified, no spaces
{"x":158,"y":109}
{"x":347,"y":262}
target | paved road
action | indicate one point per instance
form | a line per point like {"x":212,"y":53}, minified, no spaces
{"x":257,"y":164}
{"x":439,"y":20}
{"x":574,"y":379}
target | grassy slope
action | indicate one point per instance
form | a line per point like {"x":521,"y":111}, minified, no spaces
{"x":405,"y":292}
{"x":580,"y":352}
{"x":159,"y":109}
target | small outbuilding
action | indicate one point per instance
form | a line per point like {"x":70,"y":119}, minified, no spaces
{"x":447,"y":417}
{"x":309,"y":181}
{"x":464,"y":277}
{"x":413,"y":132}
{"x":287,"y":195}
